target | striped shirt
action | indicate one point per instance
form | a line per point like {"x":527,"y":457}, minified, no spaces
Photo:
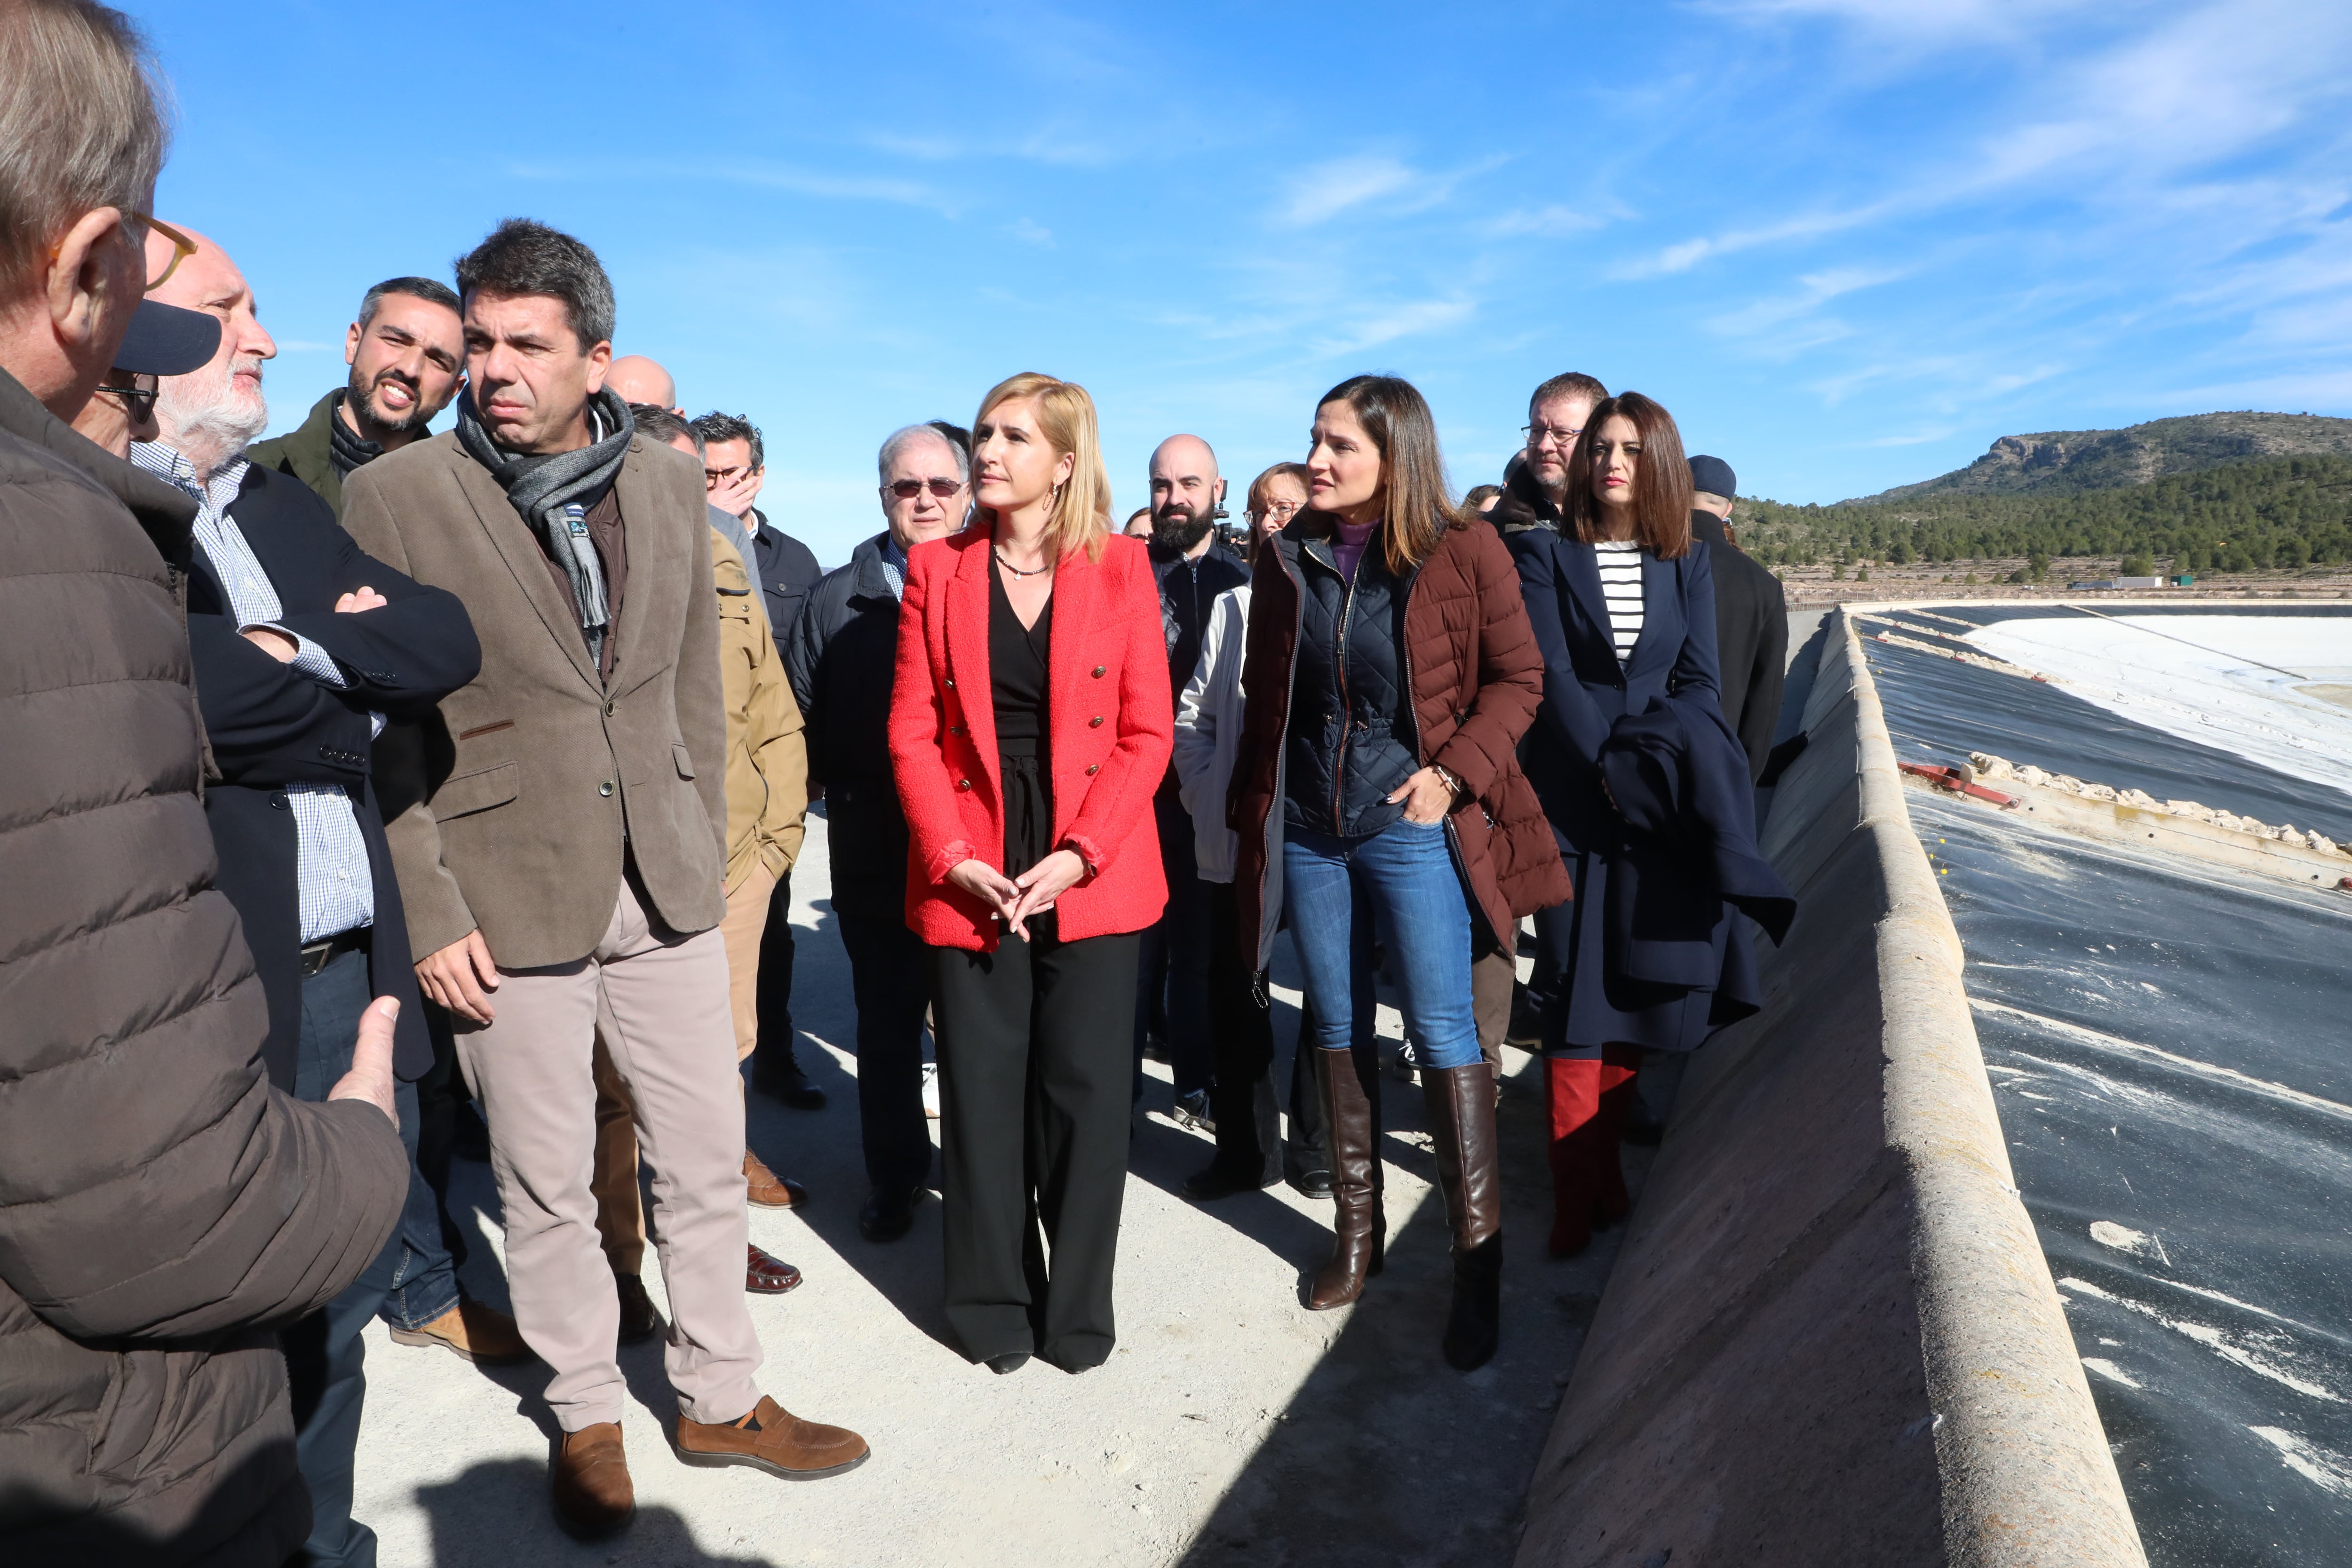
{"x":1620,"y":587}
{"x":332,"y":877}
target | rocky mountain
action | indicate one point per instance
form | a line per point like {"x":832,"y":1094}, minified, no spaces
{"x":2065,"y":461}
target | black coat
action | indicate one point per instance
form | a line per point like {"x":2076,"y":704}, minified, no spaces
{"x":1352,"y":738}
{"x":788,"y":571}
{"x":1751,"y":638}
{"x":1188,"y":591}
{"x":840,"y":659}
{"x":271,"y":726}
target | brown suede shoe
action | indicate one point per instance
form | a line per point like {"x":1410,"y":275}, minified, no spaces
{"x":639,"y":1321}
{"x":590,"y":1474}
{"x":767,"y":1189}
{"x":483,"y":1335}
{"x":772,"y":1438}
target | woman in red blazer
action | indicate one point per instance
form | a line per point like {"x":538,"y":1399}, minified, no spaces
{"x":1029,"y":726}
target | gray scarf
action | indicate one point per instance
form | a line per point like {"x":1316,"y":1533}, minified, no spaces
{"x":553,"y":493}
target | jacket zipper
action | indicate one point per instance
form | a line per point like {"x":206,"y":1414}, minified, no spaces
{"x":1339,"y":757}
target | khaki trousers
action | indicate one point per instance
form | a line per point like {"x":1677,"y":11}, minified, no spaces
{"x":1491,"y":979}
{"x":658,"y":1003}
{"x":620,"y":1210}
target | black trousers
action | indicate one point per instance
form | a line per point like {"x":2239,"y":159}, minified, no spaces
{"x":1307,"y":1150}
{"x":1036,"y":1047}
{"x":1241,"y":1037}
{"x":890,"y":978}
{"x":774,"y":1000}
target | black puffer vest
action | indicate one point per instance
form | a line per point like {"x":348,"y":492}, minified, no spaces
{"x":1352,"y":738}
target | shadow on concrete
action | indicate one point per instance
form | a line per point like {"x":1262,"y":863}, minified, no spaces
{"x":1385,"y":1455}
{"x":513,"y":1494}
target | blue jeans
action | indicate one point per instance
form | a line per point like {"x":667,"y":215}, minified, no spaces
{"x":1403,"y":877}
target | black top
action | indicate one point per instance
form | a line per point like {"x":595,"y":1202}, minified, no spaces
{"x":1017,"y":659}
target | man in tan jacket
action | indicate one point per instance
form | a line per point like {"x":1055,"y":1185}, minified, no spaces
{"x":767,"y":795}
{"x":560,"y":852}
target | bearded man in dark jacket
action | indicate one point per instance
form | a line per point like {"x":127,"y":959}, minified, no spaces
{"x":163,"y":1208}
{"x":1192,"y":567}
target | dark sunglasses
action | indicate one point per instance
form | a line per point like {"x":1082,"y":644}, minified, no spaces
{"x":908,"y":490}
{"x":139,"y":397}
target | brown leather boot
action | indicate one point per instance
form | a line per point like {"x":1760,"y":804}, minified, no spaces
{"x":773,"y":1439}
{"x":483,"y":1335}
{"x":594,"y":1495}
{"x":1462,"y":1125}
{"x":1360,"y":1243}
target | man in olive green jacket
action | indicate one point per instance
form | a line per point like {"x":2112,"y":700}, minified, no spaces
{"x":407,"y":354}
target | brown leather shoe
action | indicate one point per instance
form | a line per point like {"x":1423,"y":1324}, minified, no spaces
{"x":768,"y":1274}
{"x":773,"y":1439}
{"x":639,"y":1321}
{"x":589,"y":1477}
{"x":483,"y":1335}
{"x":1351,"y":1122}
{"x":767,"y":1189}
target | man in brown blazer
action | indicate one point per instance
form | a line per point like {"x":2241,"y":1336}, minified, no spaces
{"x":562,"y":849}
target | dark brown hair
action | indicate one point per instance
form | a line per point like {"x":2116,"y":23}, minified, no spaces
{"x":1662,"y":481}
{"x":1420,"y":507}
{"x":1574,"y":384}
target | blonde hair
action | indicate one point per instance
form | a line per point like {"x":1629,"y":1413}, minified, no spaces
{"x":1065,"y":416}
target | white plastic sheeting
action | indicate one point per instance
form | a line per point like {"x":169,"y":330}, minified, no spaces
{"x":2275,"y":689}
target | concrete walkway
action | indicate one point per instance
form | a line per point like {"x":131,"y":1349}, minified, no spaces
{"x":1229,"y":1427}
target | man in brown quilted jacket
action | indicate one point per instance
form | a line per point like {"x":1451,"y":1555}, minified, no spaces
{"x":162,"y":1209}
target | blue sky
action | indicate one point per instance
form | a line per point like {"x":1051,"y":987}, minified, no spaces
{"x":1847,"y":242}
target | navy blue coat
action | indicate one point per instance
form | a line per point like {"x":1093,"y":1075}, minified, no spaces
{"x":787,"y":570}
{"x":1655,"y":958}
{"x":843,"y":656}
{"x":270,"y":726}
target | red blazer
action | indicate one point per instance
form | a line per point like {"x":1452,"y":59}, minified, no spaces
{"x":1112,"y":726}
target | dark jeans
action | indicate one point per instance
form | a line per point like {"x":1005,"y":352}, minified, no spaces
{"x":425,"y":1280}
{"x":1033,"y":1140}
{"x":1307,"y":1150}
{"x":1174,"y":964}
{"x":890,"y":976}
{"x":324,"y":1351}
{"x":774,"y":1000}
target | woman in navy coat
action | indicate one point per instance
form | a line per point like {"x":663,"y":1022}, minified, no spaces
{"x":1646,"y":789}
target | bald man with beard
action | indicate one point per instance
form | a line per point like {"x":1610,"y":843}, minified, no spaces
{"x":1193,"y":568}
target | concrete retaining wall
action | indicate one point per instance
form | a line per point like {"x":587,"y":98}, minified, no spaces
{"x":1832,"y":1337}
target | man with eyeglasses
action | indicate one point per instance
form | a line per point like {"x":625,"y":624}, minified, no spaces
{"x":840,"y":660}
{"x":303,"y":646}
{"x":734,"y":470}
{"x":168,"y":1205}
{"x":407,"y":358}
{"x":1534,"y":489}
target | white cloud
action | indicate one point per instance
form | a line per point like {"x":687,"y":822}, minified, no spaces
{"x":1549,"y":221}
{"x":1030,"y":233}
{"x":1344,"y":185}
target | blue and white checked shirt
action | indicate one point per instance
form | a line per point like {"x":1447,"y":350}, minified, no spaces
{"x":331,"y":875}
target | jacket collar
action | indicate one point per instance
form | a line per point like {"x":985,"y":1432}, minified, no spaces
{"x":1523,"y":504}
{"x":1708,"y":526}
{"x":868,"y":580}
{"x":165,"y":511}
{"x":523,"y":557}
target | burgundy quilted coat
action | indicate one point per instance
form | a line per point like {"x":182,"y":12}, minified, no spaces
{"x":1477,"y":679}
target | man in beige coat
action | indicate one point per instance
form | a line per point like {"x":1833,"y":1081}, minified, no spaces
{"x":561,"y":853}
{"x":767,"y":796}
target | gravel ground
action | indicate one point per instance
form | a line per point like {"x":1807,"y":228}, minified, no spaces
{"x":1231,"y":1427}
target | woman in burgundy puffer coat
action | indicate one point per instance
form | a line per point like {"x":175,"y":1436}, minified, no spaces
{"x":1389,"y":675}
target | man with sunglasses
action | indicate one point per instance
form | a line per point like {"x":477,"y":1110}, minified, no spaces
{"x":163,"y":340}
{"x":407,"y":358}
{"x":734,"y":470}
{"x":840,"y":660}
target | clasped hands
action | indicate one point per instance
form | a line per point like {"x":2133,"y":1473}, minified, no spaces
{"x":1015,"y":898}
{"x":283,"y":648}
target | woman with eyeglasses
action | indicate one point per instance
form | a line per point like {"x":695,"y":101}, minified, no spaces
{"x":1389,"y":677}
{"x":1029,"y":729}
{"x":1647,"y":792}
{"x":1275,"y":497}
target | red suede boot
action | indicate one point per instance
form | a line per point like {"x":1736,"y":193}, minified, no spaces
{"x":1618,"y":1065}
{"x":1572,"y":1093}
